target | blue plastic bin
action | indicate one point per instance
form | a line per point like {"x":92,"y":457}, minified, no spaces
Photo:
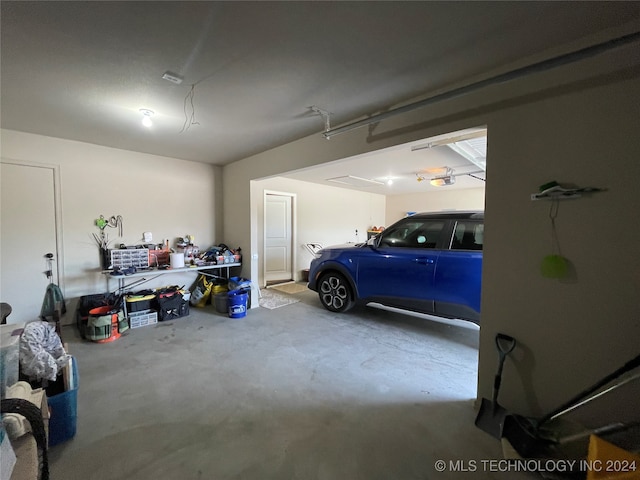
{"x":64,"y":410}
{"x":239,"y":283}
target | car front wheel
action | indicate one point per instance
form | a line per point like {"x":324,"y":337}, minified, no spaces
{"x":335,"y":292}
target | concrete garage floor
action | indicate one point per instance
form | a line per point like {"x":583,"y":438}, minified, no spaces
{"x":291,"y":393}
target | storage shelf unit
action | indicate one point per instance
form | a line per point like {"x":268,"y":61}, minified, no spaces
{"x":152,"y":273}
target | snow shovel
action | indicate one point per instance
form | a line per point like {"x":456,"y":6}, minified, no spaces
{"x":525,"y":434}
{"x":491,"y":414}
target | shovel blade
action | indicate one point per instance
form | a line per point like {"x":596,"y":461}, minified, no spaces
{"x":490,"y":418}
{"x":524,"y":438}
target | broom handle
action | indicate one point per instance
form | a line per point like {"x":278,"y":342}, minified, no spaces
{"x":575,"y":401}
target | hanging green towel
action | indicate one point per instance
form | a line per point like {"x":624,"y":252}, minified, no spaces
{"x":53,"y":300}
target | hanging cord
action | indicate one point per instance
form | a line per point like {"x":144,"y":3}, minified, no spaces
{"x":476,"y":177}
{"x":553,"y":214}
{"x":189,"y":117}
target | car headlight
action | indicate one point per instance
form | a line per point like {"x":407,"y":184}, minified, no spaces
{"x":318,"y":254}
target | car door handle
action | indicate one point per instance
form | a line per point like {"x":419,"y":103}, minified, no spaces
{"x":424,"y":261}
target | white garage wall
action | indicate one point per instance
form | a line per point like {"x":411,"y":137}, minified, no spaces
{"x":576,"y":330}
{"x":466,"y":199}
{"x":325,"y":215}
{"x":166,"y":196}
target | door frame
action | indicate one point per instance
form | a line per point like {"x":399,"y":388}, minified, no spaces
{"x":294,"y":256}
{"x":57,"y":207}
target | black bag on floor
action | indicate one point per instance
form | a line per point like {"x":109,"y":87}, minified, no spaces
{"x":171,"y":305}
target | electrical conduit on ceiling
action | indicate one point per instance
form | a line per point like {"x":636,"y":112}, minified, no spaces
{"x":538,"y":67}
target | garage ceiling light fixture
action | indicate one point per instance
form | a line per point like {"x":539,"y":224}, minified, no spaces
{"x":448,"y":178}
{"x":146,"y":117}
{"x":443,"y":180}
{"x":440,"y":180}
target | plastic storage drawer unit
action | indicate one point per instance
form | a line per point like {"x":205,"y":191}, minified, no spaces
{"x":143,"y":318}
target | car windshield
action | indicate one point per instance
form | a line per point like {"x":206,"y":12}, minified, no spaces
{"x":413,"y":233}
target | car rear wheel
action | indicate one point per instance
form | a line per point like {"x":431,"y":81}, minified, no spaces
{"x":335,"y":292}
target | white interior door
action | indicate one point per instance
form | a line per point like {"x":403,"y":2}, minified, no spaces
{"x":278,"y":244}
{"x":28,"y":233}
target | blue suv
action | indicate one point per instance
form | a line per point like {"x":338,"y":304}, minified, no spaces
{"x":426,"y":263}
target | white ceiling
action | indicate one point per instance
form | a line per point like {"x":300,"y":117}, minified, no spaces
{"x":402,"y":165}
{"x":83,"y":70}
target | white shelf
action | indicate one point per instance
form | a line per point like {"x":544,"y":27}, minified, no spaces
{"x":559,"y":193}
{"x":555,"y":196}
{"x":156,"y":271}
{"x":152,"y":273}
